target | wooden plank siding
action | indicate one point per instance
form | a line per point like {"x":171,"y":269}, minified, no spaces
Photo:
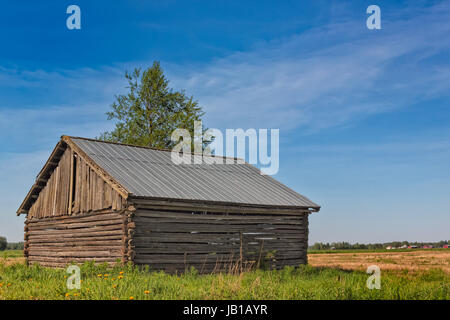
{"x":59,"y":241}
{"x":74,"y":181}
{"x":176,"y":240}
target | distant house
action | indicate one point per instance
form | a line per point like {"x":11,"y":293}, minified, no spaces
{"x":102,"y":201}
{"x":412,"y":247}
{"x":445,"y":246}
{"x":404,"y":246}
{"x":427,"y":247}
{"x":389,"y":248}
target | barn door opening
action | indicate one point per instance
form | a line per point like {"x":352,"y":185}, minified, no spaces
{"x":72,"y":182}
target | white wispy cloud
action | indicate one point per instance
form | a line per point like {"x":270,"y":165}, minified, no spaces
{"x":328,"y":76}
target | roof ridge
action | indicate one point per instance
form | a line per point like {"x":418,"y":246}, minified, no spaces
{"x":148,"y":148}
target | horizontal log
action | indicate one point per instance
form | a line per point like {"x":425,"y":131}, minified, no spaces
{"x":93,"y":216}
{"x":49,"y":264}
{"x":76,"y":239}
{"x":76,"y":254}
{"x":176,"y":224}
{"x":76,"y":225}
{"x":77,"y":235}
{"x":213,"y":237}
{"x":142,"y":213}
{"x":177,"y":269}
{"x":64,"y":265}
{"x":144,"y":242}
{"x":236,"y":254}
{"x":184,"y":227}
{"x":75,"y":231}
{"x":43,"y":248}
{"x":215,"y":207}
{"x":67,"y":261}
{"x":215,"y":249}
{"x":71,"y":244}
{"x":75,"y":219}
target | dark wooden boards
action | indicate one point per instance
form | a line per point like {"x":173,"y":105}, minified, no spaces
{"x":176,"y":240}
{"x":62,"y":240}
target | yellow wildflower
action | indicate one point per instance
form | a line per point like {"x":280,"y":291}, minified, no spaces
{"x":146,"y":291}
{"x":131,"y":298}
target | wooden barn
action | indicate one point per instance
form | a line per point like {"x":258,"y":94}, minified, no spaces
{"x":110,"y":202}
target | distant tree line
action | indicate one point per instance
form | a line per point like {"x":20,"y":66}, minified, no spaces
{"x":347,"y":245}
{"x":5,"y":245}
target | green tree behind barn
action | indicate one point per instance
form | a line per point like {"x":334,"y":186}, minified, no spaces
{"x":151,"y":110}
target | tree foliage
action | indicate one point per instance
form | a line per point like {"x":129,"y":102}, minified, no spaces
{"x":3,"y":243}
{"x":149,"y":113}
{"x":15,"y":246}
{"x":397,"y":244}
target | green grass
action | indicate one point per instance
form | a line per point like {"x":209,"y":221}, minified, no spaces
{"x":19,"y":281}
{"x":11,"y":254}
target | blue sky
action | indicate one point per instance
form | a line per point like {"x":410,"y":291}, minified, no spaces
{"x":363,"y":114}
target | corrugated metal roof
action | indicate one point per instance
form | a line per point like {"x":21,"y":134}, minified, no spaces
{"x":151,"y":173}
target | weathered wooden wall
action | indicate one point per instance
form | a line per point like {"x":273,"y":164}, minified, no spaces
{"x":73,"y":181}
{"x":53,"y":200}
{"x":58,"y":241}
{"x":92,"y":192}
{"x":176,"y":240}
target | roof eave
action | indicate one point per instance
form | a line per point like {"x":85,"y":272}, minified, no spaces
{"x":47,"y":166}
{"x":265,"y":207}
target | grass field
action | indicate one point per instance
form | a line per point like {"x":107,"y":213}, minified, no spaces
{"x":412,"y":260}
{"x":11,"y":254}
{"x":418,"y":274}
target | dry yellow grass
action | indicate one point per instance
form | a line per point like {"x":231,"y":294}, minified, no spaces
{"x":412,"y":260}
{"x":10,"y":261}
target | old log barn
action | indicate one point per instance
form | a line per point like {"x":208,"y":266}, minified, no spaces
{"x":110,"y":202}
